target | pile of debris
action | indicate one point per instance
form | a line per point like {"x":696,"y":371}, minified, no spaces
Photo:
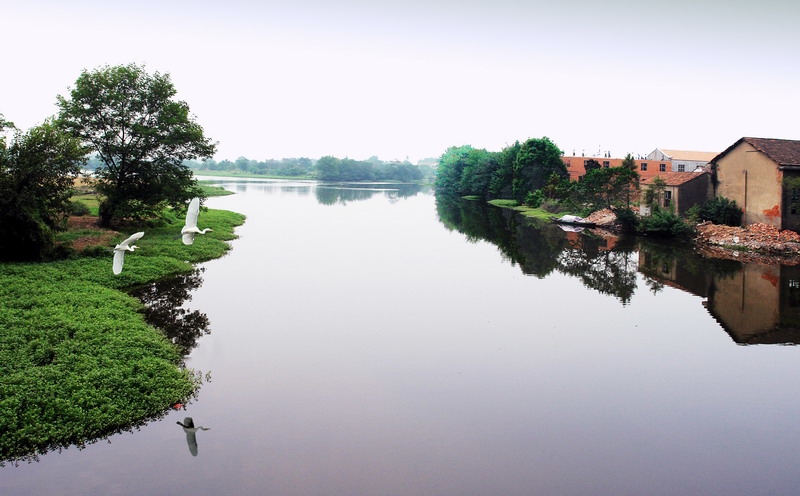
{"x":602,"y":218}
{"x":757,"y":237}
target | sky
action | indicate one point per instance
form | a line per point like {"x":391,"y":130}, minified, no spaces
{"x":407,"y":80}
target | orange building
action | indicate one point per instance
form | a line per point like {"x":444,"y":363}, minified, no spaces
{"x":576,"y":166}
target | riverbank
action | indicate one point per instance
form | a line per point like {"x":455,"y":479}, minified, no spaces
{"x":759,"y":243}
{"x":77,"y":360}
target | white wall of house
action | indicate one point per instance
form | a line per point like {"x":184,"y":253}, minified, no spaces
{"x":687,"y":165}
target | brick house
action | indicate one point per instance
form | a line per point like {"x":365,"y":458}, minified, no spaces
{"x":576,"y":166}
{"x":682,"y":190}
{"x":753,"y":172}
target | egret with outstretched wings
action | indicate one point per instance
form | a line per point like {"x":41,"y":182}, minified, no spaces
{"x":120,"y":249}
{"x":190,"y":229}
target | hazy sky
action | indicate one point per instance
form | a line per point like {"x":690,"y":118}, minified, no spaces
{"x":408,"y":79}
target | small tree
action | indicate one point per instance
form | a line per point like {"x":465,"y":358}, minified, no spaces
{"x":654,"y":192}
{"x":142,"y":136}
{"x":37,"y":170}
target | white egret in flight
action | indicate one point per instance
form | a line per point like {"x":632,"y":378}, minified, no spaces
{"x":120,"y":249}
{"x":190,"y":230}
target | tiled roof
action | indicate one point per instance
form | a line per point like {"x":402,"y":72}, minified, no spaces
{"x":784,"y":152}
{"x":673,"y":178}
{"x":689,"y":155}
{"x":781,"y":151}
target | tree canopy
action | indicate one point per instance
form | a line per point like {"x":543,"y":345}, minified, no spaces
{"x":536,"y":161}
{"x":37,"y":169}
{"x":142,"y":136}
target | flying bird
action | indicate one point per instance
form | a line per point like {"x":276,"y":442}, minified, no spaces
{"x":120,"y":249}
{"x":190,"y":230}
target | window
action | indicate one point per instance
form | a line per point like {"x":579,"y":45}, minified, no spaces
{"x":667,"y":198}
{"x":662,"y":167}
{"x":793,"y":203}
{"x":681,"y":167}
{"x":643,"y":166}
{"x":606,"y":163}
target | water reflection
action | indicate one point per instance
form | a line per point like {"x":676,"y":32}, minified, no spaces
{"x":191,"y":433}
{"x":756,"y":303}
{"x":604,"y":264}
{"x":164,"y":310}
{"x":339,"y":193}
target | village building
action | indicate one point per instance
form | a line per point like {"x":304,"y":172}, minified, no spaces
{"x":763,"y":177}
{"x":682,"y":190}
{"x":682,"y":160}
{"x":576,"y":166}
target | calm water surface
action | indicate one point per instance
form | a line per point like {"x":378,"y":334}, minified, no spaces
{"x":369,"y":341}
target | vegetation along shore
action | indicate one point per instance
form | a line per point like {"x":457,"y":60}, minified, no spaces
{"x":77,"y":359}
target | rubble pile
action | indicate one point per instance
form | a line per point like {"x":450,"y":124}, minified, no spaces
{"x":757,"y":237}
{"x":603,"y":217}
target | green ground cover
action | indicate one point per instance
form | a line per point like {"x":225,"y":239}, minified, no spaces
{"x":77,"y":360}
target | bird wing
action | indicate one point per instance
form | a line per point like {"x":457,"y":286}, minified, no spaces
{"x":119,"y":258}
{"x":131,"y":239}
{"x":192,"y":212}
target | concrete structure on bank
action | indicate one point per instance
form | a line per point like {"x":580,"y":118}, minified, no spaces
{"x":763,"y":177}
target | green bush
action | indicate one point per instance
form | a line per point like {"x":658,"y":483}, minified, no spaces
{"x":78,"y":208}
{"x":534,"y":199}
{"x":662,"y":222}
{"x":627,"y":219}
{"x":719,"y":210}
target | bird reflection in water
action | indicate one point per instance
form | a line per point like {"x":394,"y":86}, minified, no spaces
{"x":191,"y":433}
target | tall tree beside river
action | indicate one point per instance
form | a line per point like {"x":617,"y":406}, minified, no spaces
{"x":142,"y":136}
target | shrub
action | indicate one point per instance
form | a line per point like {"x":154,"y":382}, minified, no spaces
{"x":78,"y":208}
{"x":720,"y":210}
{"x":662,"y":222}
{"x":534,"y":198}
{"x":627,"y":219}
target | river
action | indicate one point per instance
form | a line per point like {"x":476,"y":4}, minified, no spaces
{"x":367,"y":340}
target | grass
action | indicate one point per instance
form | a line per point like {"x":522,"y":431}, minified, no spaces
{"x":535,"y":213}
{"x":77,"y":360}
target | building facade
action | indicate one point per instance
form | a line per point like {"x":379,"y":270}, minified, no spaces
{"x":763,"y":177}
{"x":682,"y":160}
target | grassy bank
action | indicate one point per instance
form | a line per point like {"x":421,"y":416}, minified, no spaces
{"x":535,"y":213}
{"x":77,"y":360}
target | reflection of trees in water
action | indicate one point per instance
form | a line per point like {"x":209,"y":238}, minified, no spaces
{"x":164,"y":309}
{"x":611,"y":272}
{"x":341,"y":193}
{"x":539,"y":248}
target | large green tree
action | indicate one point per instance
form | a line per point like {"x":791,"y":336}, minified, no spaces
{"x":465,"y":170}
{"x":536,"y":160}
{"x":608,"y":187}
{"x":37,"y":169}
{"x":142,"y":136}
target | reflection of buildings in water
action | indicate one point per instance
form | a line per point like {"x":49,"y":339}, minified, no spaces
{"x":756,"y":304}
{"x":759,"y":305}
{"x":669,"y":272}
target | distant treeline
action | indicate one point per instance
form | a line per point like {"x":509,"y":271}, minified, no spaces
{"x":327,"y":168}
{"x":291,"y":167}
